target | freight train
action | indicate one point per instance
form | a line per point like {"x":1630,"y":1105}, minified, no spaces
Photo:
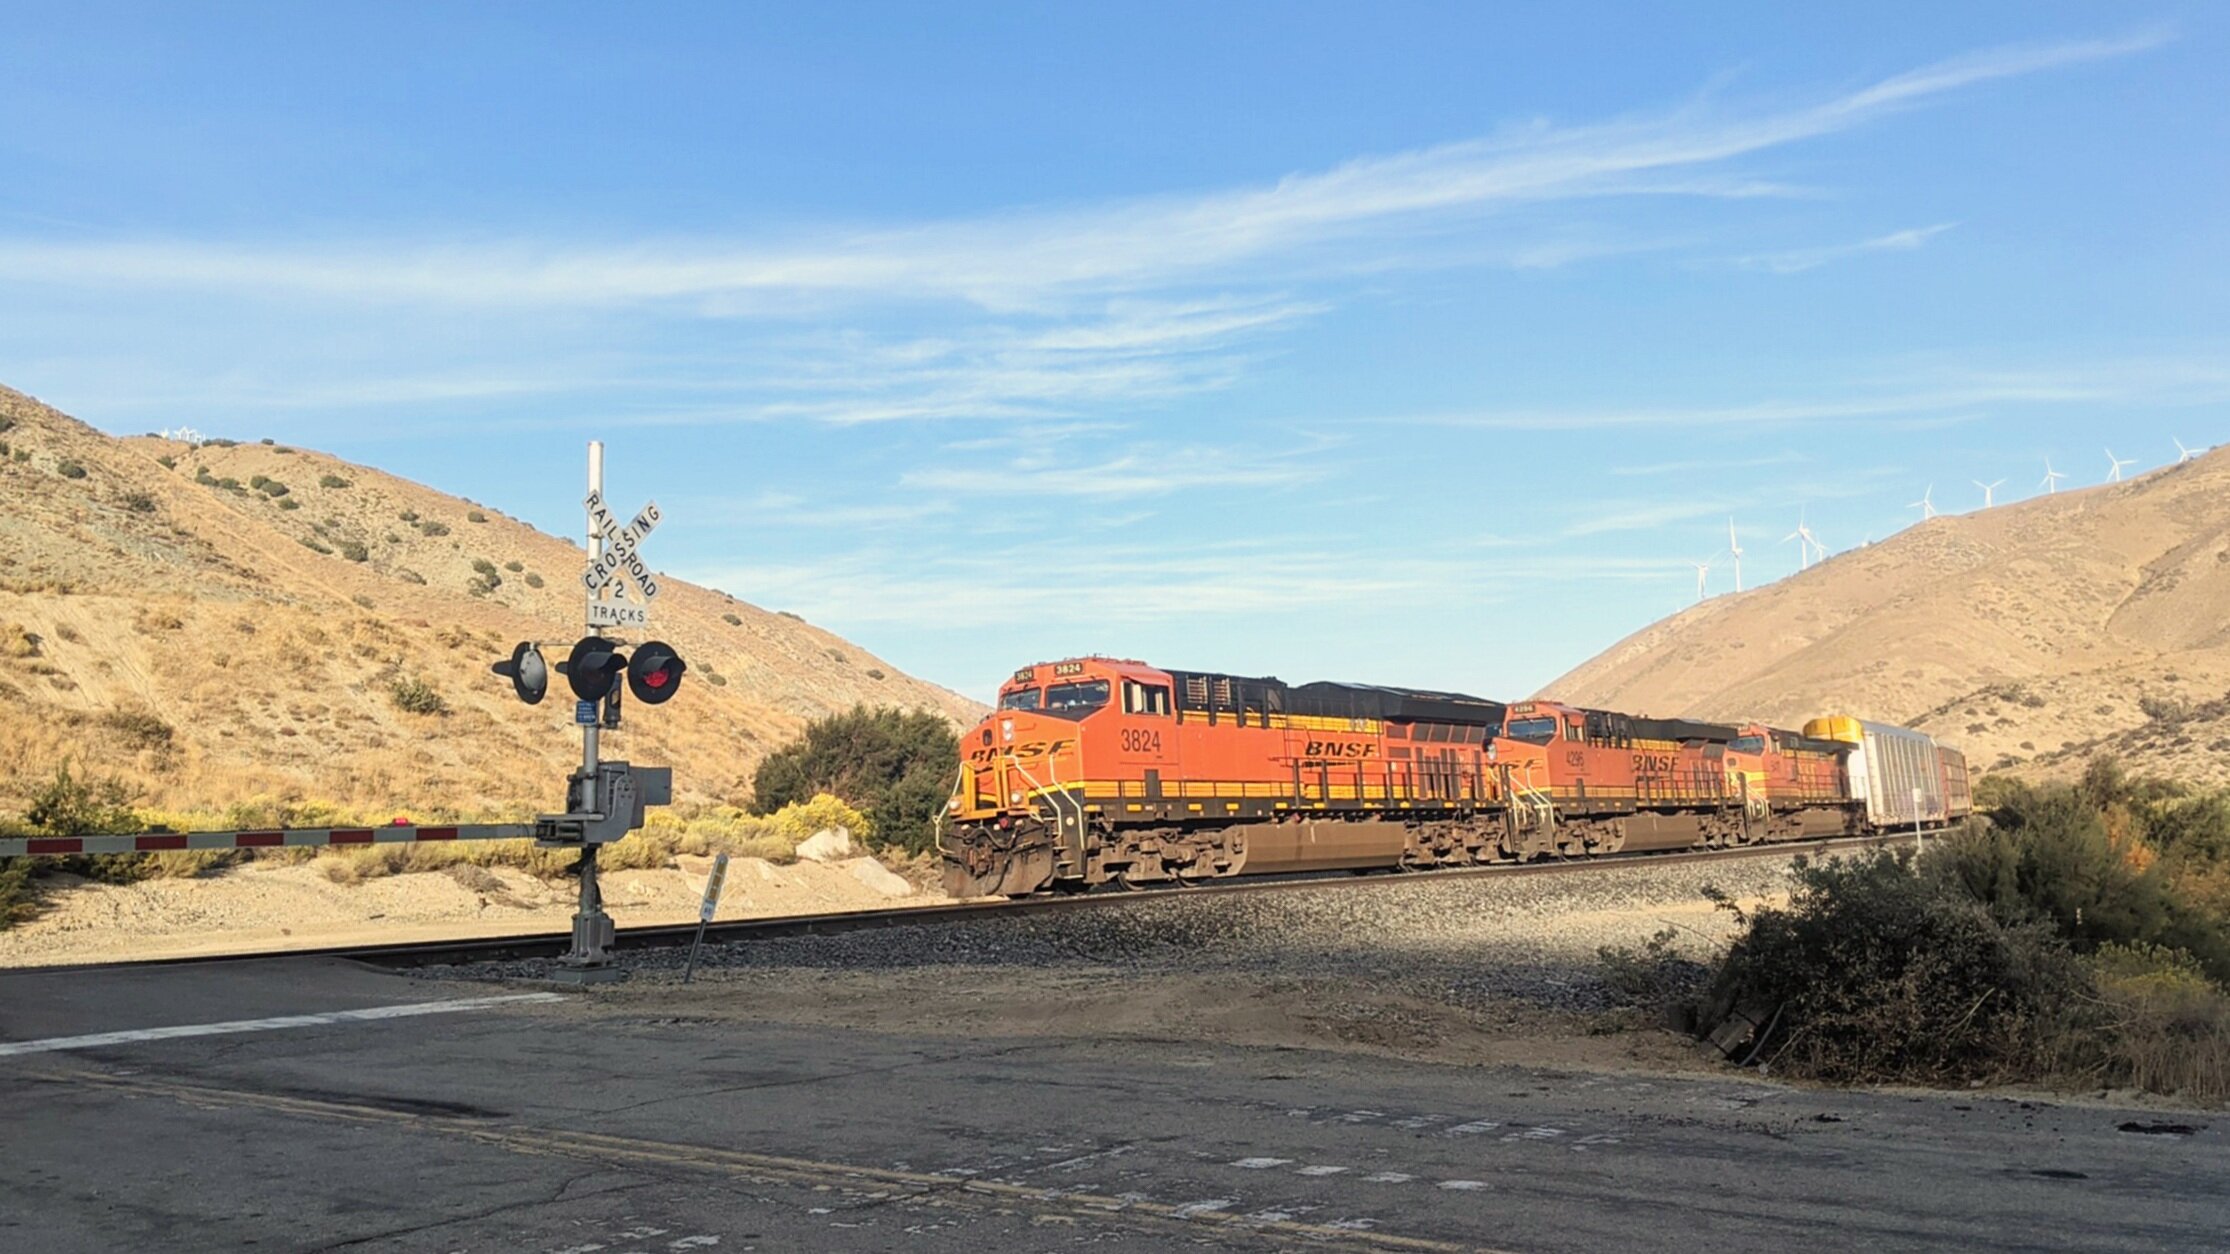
{"x":1100,"y":771}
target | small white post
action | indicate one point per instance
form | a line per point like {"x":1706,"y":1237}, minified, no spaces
{"x":1920,"y":842}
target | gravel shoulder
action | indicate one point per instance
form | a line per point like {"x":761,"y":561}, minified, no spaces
{"x":1480,"y":969}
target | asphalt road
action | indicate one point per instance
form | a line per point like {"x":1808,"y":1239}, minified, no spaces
{"x":350,"y":1115}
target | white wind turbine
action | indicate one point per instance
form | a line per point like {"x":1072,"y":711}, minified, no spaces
{"x":2184,"y":454}
{"x":1989,"y":491}
{"x":2116,"y":464}
{"x":1926,"y":504}
{"x":1734,"y":548}
{"x":1703,"y":572}
{"x":2051,"y":482}
{"x":1806,"y":543}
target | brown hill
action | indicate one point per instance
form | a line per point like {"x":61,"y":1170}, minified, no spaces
{"x":2034,"y":635}
{"x":220,"y":623}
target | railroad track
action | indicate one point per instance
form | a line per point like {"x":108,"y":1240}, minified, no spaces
{"x":554,"y":944}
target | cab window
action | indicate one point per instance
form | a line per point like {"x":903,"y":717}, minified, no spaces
{"x":1748,"y":744}
{"x":1076,"y":700}
{"x":1141,"y":698}
{"x":1538,"y":731}
{"x":1021,"y":699}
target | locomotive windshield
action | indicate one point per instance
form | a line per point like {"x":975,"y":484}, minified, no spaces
{"x":1021,"y":699}
{"x":1076,"y":700}
{"x":1538,"y":730}
{"x":1748,"y":744}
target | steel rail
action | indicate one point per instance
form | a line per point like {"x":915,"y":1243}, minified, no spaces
{"x":416,"y":954}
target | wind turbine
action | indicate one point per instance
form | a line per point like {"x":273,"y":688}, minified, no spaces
{"x":1988,"y":491}
{"x":2184,"y":454}
{"x":1734,"y":547}
{"x":1703,"y":572}
{"x":2052,"y":478}
{"x":2117,"y":463}
{"x":1806,"y":543}
{"x":1926,"y":504}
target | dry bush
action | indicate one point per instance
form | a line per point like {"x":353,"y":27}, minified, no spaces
{"x":16,"y":642}
{"x":2167,"y":1026}
{"x":139,"y":727}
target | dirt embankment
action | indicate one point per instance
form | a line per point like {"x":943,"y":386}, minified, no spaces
{"x":274,"y":907}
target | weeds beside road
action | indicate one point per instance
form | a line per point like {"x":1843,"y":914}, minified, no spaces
{"x":2076,"y":937}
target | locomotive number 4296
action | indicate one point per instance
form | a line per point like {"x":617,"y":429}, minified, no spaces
{"x":1141,"y":740}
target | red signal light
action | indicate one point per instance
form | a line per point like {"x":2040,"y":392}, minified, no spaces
{"x":654,"y":673}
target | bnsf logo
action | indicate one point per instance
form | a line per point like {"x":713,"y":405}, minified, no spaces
{"x":1662,"y":763}
{"x":1340,"y":749}
{"x":1027,"y":749}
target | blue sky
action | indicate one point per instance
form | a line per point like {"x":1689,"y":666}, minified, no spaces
{"x":1403,"y":343}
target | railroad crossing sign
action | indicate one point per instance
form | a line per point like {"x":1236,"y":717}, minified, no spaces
{"x":620,"y":545}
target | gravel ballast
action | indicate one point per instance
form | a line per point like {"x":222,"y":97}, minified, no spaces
{"x":1468,"y":942}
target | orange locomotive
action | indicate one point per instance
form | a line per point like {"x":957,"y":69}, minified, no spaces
{"x":1099,"y":770}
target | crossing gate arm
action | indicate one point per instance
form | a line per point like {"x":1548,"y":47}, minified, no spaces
{"x":273,"y":838}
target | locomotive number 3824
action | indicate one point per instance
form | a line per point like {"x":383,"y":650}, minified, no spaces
{"x":1141,"y":740}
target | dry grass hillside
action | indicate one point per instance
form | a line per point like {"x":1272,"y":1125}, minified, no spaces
{"x":219,"y":624}
{"x":2033,"y":635}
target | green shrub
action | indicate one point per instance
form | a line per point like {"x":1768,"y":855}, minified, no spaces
{"x":484,"y":566}
{"x":475,"y":516}
{"x":1874,"y":973}
{"x":533,"y":580}
{"x":267,"y":440}
{"x":896,"y":766}
{"x":81,"y":805}
{"x":432,"y":528}
{"x":258,"y":481}
{"x":69,"y":469}
{"x":354,"y":550}
{"x":290,"y":503}
{"x":2050,"y":855}
{"x":167,"y":461}
{"x":315,"y":547}
{"x":335,"y":481}
{"x":413,"y":696}
{"x":408,"y":515}
{"x":514,"y":566}
{"x":410,"y":576}
{"x":137,"y":502}
{"x":732,"y":619}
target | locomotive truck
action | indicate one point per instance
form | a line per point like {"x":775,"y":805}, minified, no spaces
{"x":1103,"y":771}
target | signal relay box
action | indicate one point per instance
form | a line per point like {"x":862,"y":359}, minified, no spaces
{"x":621,"y":794}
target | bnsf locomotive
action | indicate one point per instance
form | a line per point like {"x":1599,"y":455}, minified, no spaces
{"x":1097,"y":770}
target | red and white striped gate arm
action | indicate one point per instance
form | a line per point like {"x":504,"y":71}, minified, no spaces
{"x":276,"y":838}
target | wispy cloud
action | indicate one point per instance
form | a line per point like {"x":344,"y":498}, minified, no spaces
{"x":1926,"y":398}
{"x":1706,"y":465}
{"x":1033,"y":258}
{"x":1798,"y":260}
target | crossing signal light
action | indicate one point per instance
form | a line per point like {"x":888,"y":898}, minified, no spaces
{"x":655,"y":672}
{"x":528,"y":673}
{"x":593,"y":668}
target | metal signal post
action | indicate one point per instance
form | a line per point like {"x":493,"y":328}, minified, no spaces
{"x":589,"y":960}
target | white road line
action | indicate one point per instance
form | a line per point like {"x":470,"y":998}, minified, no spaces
{"x":1258,"y":1164}
{"x":1322,"y":1170}
{"x":10,"y":1049}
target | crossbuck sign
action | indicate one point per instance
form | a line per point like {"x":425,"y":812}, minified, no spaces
{"x":622,"y":556}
